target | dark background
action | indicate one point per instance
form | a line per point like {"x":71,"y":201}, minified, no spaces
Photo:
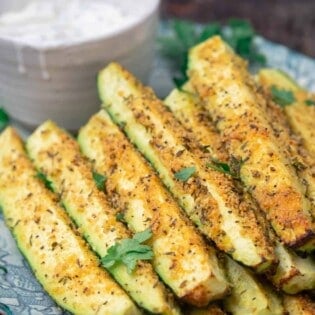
{"x":290,"y":22}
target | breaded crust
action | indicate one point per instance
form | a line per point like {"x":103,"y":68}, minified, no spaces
{"x":208,"y":197}
{"x":301,"y":116}
{"x":57,"y":155}
{"x":229,"y":94}
{"x":59,"y":258}
{"x":293,"y":273}
{"x":299,"y":305}
{"x":181,"y":257}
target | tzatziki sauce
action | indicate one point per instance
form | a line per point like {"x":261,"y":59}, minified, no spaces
{"x":49,"y":23}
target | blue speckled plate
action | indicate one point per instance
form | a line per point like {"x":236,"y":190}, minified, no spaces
{"x":19,"y":289}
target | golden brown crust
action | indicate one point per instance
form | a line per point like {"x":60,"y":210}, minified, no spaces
{"x":58,"y":156}
{"x":60,"y":259}
{"x":229,"y":93}
{"x":181,"y":256}
{"x":299,"y":305}
{"x":300,"y":115}
{"x":294,"y":149}
{"x":187,"y":109}
{"x":293,"y":274}
{"x":208,"y":197}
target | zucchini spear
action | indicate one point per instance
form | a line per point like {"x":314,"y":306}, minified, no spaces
{"x":301,"y":112}
{"x":109,"y":150}
{"x":299,"y":156}
{"x":181,"y":257}
{"x":249,"y":295}
{"x":187,"y":109}
{"x":59,"y":258}
{"x":221,"y":79}
{"x":57,"y":155}
{"x":293,"y":273}
{"x":207,"y":196}
{"x":299,"y":305}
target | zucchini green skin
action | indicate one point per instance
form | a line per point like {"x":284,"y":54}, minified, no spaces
{"x":223,"y":83}
{"x":57,"y":155}
{"x":181,"y":257}
{"x":293,"y":273}
{"x":59,"y":258}
{"x":208,"y":197}
{"x":248,"y":295}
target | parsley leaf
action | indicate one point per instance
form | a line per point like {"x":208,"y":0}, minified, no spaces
{"x":48,"y":183}
{"x":120,"y":217}
{"x":143,"y":236}
{"x":4,"y":119}
{"x":309,"y":102}
{"x":129,"y":251}
{"x":232,"y":170}
{"x":282,"y":97}
{"x":99,"y":180}
{"x":185,"y":173}
{"x":209,"y":30}
{"x":219,"y":166}
{"x":239,"y":34}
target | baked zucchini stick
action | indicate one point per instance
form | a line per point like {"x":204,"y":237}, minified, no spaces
{"x":299,"y":157}
{"x":59,"y":258}
{"x":221,"y":79}
{"x":181,"y":257}
{"x":187,"y":108}
{"x":301,"y":113}
{"x":249,"y":295}
{"x":299,"y":305}
{"x":207,"y":196}
{"x":57,"y":155}
{"x":293,"y":274}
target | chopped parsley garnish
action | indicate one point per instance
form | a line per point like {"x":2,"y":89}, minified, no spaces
{"x":232,"y":170}
{"x":129,"y":251}
{"x":239,"y":34}
{"x":48,"y":183}
{"x":282,"y":97}
{"x":185,"y":173}
{"x":120,"y":217}
{"x":99,"y":180}
{"x":4,"y":308}
{"x":310,"y":102}
{"x":219,"y":166}
{"x":4,"y":119}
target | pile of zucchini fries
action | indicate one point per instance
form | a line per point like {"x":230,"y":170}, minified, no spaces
{"x":222,"y":176}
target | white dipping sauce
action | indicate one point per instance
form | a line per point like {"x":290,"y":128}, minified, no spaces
{"x":49,"y":23}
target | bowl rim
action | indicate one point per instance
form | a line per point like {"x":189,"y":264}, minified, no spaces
{"x":153,"y":8}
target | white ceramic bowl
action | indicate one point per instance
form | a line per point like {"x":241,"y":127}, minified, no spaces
{"x":60,"y":83}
